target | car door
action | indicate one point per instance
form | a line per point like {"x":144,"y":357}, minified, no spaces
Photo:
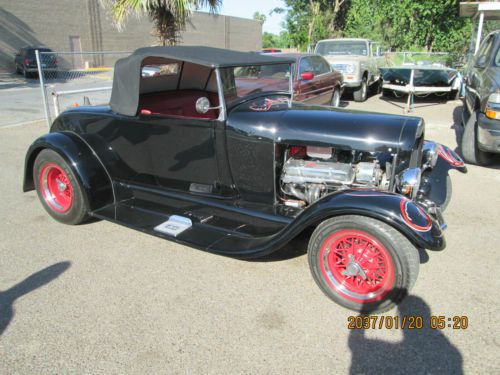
{"x":309,"y":90}
{"x":328,"y":80}
{"x":476,"y":76}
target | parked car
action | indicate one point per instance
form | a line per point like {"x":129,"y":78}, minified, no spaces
{"x":270,"y":50}
{"x":358,"y":59}
{"x":314,"y":81}
{"x":481,"y":113}
{"x":25,"y":61}
{"x":196,"y":158}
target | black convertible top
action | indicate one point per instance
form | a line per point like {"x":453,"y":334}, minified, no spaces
{"x":209,"y":56}
{"x":127,"y":74}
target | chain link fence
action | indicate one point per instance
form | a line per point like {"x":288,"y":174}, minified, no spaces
{"x":70,"y":79}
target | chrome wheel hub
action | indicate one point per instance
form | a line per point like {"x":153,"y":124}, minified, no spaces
{"x":353,"y":268}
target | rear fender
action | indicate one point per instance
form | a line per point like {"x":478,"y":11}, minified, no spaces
{"x":89,"y":171}
{"x":393,"y":209}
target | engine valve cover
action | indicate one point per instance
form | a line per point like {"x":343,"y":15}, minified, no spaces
{"x":308,"y":171}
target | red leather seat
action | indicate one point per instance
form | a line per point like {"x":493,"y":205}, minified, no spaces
{"x":181,"y":103}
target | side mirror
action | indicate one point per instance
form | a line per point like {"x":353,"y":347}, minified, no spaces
{"x":203,"y":105}
{"x":306,"y":76}
{"x":481,"y":61}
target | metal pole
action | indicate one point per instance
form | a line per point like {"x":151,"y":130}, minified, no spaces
{"x":55,"y":99}
{"x":42,"y":87}
{"x":479,"y":31}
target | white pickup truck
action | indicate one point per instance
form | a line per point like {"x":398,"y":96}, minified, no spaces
{"x":359,"y":61}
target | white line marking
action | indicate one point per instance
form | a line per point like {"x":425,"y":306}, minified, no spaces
{"x":21,"y":124}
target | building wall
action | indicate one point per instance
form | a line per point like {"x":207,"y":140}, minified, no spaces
{"x":52,"y":23}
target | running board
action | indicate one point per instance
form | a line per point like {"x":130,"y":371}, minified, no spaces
{"x":207,"y":228}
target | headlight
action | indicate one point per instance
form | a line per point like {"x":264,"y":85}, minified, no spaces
{"x":493,"y":106}
{"x":350,"y":68}
{"x":408,"y":182}
{"x":429,"y":154}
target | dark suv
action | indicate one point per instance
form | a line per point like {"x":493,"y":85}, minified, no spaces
{"x":481,"y":114}
{"x":25,"y":61}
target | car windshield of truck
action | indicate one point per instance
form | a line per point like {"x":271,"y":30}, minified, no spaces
{"x":240,"y":82}
{"x":342,"y":47}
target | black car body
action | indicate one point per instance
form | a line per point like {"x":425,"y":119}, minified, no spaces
{"x":481,"y":115}
{"x":196,"y":157}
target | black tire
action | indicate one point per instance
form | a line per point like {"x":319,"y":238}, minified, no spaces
{"x":387,"y":93}
{"x":361,"y":93}
{"x":454,"y":95}
{"x":335,"y":101}
{"x":76,"y":211}
{"x":470,"y":150}
{"x":396,"y":247}
{"x":376,"y":87}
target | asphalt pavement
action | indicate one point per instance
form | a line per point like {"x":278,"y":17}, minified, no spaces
{"x":100,"y":298}
{"x":21,"y":98}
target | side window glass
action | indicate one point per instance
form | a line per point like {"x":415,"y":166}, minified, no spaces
{"x":305,"y":65}
{"x":320,"y":65}
{"x":485,"y":49}
{"x":160,"y":70}
{"x":497,"y":58}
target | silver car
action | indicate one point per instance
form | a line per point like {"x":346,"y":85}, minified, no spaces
{"x":358,"y":60}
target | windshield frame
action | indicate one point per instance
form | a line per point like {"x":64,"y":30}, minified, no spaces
{"x":229,"y":105}
{"x":343,"y":41}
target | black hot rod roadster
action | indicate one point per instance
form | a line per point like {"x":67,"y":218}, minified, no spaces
{"x":213,"y":153}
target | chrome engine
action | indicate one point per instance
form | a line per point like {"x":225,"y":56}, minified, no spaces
{"x":309,"y":178}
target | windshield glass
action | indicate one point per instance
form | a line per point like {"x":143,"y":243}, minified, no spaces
{"x":342,"y":47}
{"x":239,"y":82}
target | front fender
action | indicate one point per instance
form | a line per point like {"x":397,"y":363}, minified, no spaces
{"x":395,"y":210}
{"x":96,"y":184}
{"x":435,"y":180}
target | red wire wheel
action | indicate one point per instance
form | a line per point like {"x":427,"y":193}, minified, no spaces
{"x":356,"y":265}
{"x":56,"y":188}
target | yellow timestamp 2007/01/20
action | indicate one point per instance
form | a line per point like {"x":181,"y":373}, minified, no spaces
{"x":457,"y":322}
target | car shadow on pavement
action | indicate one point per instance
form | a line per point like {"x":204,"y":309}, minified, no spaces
{"x":459,"y":130}
{"x":293,"y":249}
{"x":421,"y":351}
{"x":8,"y":297}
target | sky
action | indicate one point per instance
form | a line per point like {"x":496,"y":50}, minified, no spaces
{"x":246,"y":9}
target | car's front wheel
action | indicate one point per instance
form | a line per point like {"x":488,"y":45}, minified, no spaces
{"x":362,"y":263}
{"x":335,"y":102}
{"x":361,"y":93}
{"x":58,"y":189}
{"x":470,"y":150}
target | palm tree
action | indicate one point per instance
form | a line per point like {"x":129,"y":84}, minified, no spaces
{"x":168,"y":16}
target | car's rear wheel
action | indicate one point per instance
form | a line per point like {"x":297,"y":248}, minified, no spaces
{"x":361,"y":93}
{"x":335,"y":102}
{"x":362,"y":263}
{"x":58,"y":189}
{"x":470,"y":150}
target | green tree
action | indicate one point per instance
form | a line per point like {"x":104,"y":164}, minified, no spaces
{"x":308,"y":21}
{"x":429,"y":25}
{"x":169,"y":16}
{"x":270,"y":40}
{"x":259,"y":17}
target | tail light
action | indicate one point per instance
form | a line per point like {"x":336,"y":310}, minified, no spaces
{"x":26,"y":61}
{"x":56,"y":62}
